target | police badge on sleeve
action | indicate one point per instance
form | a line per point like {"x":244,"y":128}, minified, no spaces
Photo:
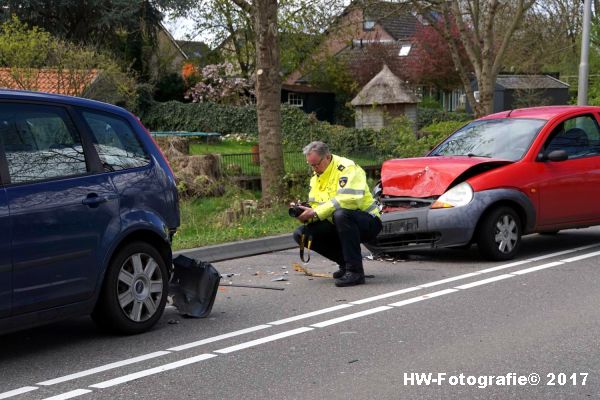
{"x":343,"y":180}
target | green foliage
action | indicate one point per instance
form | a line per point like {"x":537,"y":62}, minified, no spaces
{"x":202,"y":220}
{"x":201,"y":117}
{"x":143,"y":99}
{"x":375,"y":145}
{"x":22,"y":47}
{"x":170,"y":87}
{"x":430,"y":102}
{"x":427,"y":116}
{"x":433,"y":134}
{"x":126,"y":29}
{"x":298,"y":128}
{"x":25,"y":51}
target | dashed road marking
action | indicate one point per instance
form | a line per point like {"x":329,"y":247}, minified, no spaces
{"x":220,"y":337}
{"x":103,"y":368}
{"x":17,"y":392}
{"x":256,"y":342}
{"x":69,"y":395}
{"x":266,"y":339}
{"x":152,"y":371}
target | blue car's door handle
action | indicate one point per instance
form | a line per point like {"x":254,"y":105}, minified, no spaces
{"x":93,"y":199}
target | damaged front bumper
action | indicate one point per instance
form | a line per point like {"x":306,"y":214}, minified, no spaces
{"x":426,"y":228}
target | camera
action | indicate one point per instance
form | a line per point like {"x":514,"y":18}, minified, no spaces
{"x":295,"y":211}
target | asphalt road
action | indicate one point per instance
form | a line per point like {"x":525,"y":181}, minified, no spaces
{"x":480,"y":329}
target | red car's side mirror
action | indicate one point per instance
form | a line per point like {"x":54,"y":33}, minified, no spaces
{"x":555,"y":155}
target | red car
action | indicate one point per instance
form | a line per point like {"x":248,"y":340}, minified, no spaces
{"x":532,"y":170}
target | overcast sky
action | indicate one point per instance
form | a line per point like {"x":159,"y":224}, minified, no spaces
{"x":179,"y":27}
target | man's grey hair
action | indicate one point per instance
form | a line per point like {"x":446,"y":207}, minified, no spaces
{"x":316,"y":147}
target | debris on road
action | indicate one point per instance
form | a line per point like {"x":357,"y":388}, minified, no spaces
{"x":252,"y":286}
{"x":194,"y":286}
{"x":279,"y":279}
{"x":300,"y":268}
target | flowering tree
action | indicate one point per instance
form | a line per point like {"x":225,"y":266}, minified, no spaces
{"x":431,"y":61}
{"x":215,"y":83}
{"x":485,"y":30}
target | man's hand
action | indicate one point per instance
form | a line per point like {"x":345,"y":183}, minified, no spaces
{"x":307,"y":215}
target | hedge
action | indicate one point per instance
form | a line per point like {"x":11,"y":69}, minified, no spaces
{"x":298,"y":128}
{"x":428,"y":116}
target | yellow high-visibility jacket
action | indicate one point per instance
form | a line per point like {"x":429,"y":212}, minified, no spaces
{"x":342,"y":185}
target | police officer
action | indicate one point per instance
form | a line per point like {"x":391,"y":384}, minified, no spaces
{"x":342,"y":212}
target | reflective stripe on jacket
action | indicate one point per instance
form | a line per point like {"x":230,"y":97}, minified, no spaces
{"x":342,"y":185}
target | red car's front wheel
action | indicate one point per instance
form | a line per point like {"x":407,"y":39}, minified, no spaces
{"x":499,"y":234}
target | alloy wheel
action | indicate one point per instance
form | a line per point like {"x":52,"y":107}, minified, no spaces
{"x":140,"y":287}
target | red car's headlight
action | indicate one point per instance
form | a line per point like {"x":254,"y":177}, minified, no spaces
{"x":459,"y":195}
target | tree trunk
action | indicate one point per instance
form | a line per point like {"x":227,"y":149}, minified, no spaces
{"x":268,"y":102}
{"x":485,"y":48}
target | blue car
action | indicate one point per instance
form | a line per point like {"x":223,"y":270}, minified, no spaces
{"x":88,"y":210}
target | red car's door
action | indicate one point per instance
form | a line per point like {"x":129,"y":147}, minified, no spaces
{"x":568,"y":190}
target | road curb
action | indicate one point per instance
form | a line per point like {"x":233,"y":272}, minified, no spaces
{"x":243,"y":248}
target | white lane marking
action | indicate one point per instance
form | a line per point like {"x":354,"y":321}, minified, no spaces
{"x":69,"y":395}
{"x":351,"y":316}
{"x":539,"y":267}
{"x":310,"y":314}
{"x":504,"y":266}
{"x":362,"y":301}
{"x":386,"y":295}
{"x":471,"y":274}
{"x":452,"y":279}
{"x":220,"y":337}
{"x":104,"y":368}
{"x":17,"y":392}
{"x":485,"y":281}
{"x":266,"y":339}
{"x":560,"y":253}
{"x":581,"y":257}
{"x":152,"y":371}
{"x":424,"y":297}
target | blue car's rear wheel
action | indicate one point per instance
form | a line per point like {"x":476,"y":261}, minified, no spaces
{"x":499,"y":234}
{"x":134,"y":292}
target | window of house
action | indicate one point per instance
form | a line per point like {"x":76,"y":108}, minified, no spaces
{"x":117,"y":145}
{"x":368,"y":24}
{"x":295,"y":99}
{"x":40,"y":143}
{"x":404,"y":50}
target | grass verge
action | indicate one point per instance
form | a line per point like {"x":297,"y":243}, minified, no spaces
{"x":223,"y":147}
{"x":202,"y":221}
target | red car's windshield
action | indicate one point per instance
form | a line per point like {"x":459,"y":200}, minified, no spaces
{"x":504,"y":138}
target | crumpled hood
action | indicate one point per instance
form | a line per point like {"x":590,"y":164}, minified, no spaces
{"x":428,"y":176}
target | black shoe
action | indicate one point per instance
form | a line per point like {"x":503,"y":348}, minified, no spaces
{"x":350,"y":279}
{"x":339,"y":273}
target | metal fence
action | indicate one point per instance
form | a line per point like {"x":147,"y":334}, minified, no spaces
{"x":248,"y":164}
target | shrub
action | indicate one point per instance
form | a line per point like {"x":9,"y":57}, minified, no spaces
{"x":433,"y":134}
{"x":170,"y":87}
{"x":428,"y":116}
{"x":200,"y":117}
{"x":298,"y":129}
{"x":430,"y":102}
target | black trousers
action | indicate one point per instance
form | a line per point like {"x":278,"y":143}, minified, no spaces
{"x":340,"y":241}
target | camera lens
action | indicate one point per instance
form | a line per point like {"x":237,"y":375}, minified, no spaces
{"x":295,"y":211}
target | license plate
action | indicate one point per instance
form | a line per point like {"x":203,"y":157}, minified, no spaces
{"x":400,"y":226}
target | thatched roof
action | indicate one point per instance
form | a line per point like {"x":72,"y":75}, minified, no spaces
{"x":384,"y":88}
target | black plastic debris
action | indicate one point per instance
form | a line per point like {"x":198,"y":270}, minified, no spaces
{"x":194,"y":286}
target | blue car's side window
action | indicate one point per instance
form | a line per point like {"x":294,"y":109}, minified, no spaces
{"x":39,"y":143}
{"x":116,"y":143}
